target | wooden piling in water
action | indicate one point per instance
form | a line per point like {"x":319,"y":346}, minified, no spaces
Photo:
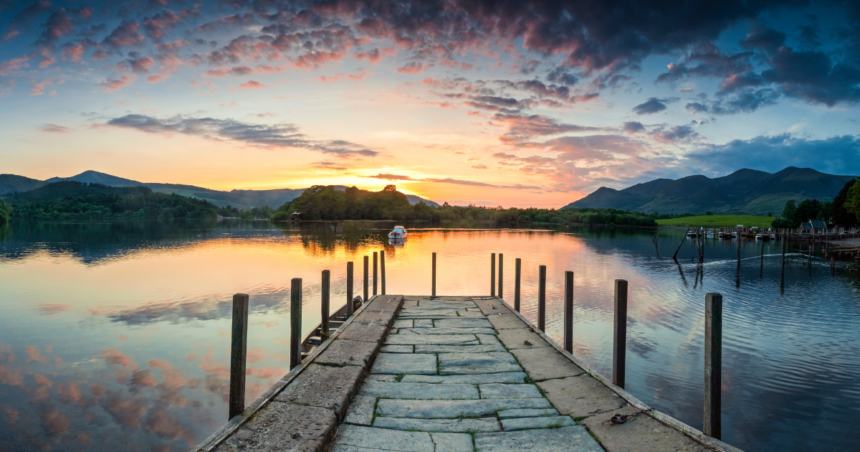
{"x":713,"y":364}
{"x":493,"y":274}
{"x":568,"y":311}
{"x":375,"y":271}
{"x":238,"y":355}
{"x":295,"y":322}
{"x":517,"y":272}
{"x":350,"y":306}
{"x":326,"y":300}
{"x":382,"y":269}
{"x":366,"y":280}
{"x":542,"y":298}
{"x":501,"y":275}
{"x":675,"y":256}
{"x":433,"y":283}
{"x":619,"y":335}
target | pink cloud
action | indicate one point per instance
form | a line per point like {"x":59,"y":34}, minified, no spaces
{"x":117,"y":84}
{"x":414,"y":68}
{"x":12,"y":66}
{"x":11,"y":34}
{"x":252,"y":84}
{"x":100,"y":55}
{"x":262,"y":69}
{"x":73,"y":53}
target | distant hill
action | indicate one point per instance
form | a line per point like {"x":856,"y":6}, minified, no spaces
{"x":745,"y":191}
{"x":242,"y":199}
{"x":73,"y":189}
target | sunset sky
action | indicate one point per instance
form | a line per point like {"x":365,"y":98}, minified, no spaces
{"x":512,"y":102}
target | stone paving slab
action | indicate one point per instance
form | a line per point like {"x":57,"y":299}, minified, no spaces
{"x":352,"y":438}
{"x":442,"y":409}
{"x":344,"y":352}
{"x":501,"y":377}
{"x":381,"y":377}
{"x":510,"y":391}
{"x":458,"y":348}
{"x":492,"y":306}
{"x":477,"y":363}
{"x":452,"y":442}
{"x":397,"y":349}
{"x":462,"y":323}
{"x":425,"y":339}
{"x":489,"y":339}
{"x":423,"y":391}
{"x":516,"y":338}
{"x":512,"y":425}
{"x":446,"y":331}
{"x":641,"y":433}
{"x":364,"y":331}
{"x":507,"y":414}
{"x":386,"y":303}
{"x":399,"y":363}
{"x":566,"y":439}
{"x":402,"y":323}
{"x":360,"y":411}
{"x":324,"y":386}
{"x":581,"y":396}
{"x":439,"y":425}
{"x":423,"y":323}
{"x":506,"y":322}
{"x":546,"y":363}
{"x":284,"y":426}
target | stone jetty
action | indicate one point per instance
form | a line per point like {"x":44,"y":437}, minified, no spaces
{"x":417,"y":373}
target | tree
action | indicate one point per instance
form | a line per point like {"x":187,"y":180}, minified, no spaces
{"x":789,"y":212}
{"x":841,"y":215}
{"x":852,"y":203}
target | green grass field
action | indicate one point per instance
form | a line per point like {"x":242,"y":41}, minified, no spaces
{"x":719,"y":221}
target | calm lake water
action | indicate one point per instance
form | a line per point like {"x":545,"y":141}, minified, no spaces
{"x":116,"y":336}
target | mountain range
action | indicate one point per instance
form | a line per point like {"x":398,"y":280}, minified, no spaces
{"x":745,"y":191}
{"x":242,"y":199}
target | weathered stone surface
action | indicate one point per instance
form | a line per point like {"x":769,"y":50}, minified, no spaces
{"x":439,"y":425}
{"x":505,"y":322}
{"x":344,"y":352}
{"x":509,"y":391}
{"x":423,"y":323}
{"x":546,"y":363}
{"x":641,"y":433}
{"x":360,"y":411}
{"x":284,"y":426}
{"x":425,"y":339}
{"x":325,"y":387}
{"x":402,"y":363}
{"x":463,"y":323}
{"x":452,"y":442}
{"x":492,"y":306}
{"x":381,"y":377}
{"x":458,"y":348}
{"x":402,"y":323}
{"x":397,"y":349}
{"x":380,"y":316}
{"x":515,"y":424}
{"x":581,"y":396}
{"x":364,"y":331}
{"x":477,"y":363}
{"x":423,"y":391}
{"x":516,"y":338}
{"x":501,"y":377}
{"x":352,"y":438}
{"x":566,"y":439}
{"x":442,"y":409}
{"x":386,"y":303}
{"x":484,"y":331}
{"x":489,"y":339}
{"x":508,"y":414}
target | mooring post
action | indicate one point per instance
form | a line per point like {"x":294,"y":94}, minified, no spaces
{"x":493,"y":274}
{"x":542,"y":298}
{"x":433,"y":278}
{"x":375,"y":271}
{"x":238,"y":354}
{"x":382,"y":269}
{"x":501,"y":274}
{"x":296,"y":323}
{"x":713,"y":363}
{"x":350,"y":306}
{"x":366,"y":280}
{"x":568,"y":311}
{"x":517,"y":272}
{"x":326,"y":299}
{"x":684,"y":236}
{"x":619,"y":339}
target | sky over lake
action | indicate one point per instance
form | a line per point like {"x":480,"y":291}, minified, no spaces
{"x":510,"y":103}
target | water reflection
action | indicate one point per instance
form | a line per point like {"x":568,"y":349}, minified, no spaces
{"x":117,"y":334}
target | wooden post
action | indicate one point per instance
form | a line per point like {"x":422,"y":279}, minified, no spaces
{"x":382,"y":269}
{"x":296,"y":323}
{"x":619,"y":339}
{"x":493,"y":275}
{"x":501,"y":275}
{"x":326,"y":299}
{"x":761,"y":266}
{"x":517,"y":272}
{"x":366,"y":280}
{"x":568,"y":311}
{"x":375,"y":271}
{"x":542,"y":298}
{"x":713,"y":363}
{"x":350,"y":306}
{"x":433,"y":278}
{"x":675,"y":256}
{"x":238,"y":354}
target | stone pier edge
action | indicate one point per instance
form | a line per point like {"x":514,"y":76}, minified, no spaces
{"x":664,"y":418}
{"x":234,"y":424}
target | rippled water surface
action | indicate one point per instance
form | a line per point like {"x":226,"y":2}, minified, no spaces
{"x":116,"y":337}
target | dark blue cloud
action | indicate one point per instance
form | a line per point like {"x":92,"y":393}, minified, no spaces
{"x":651,"y":106}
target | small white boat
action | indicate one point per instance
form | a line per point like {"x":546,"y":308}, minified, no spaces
{"x":399,"y":232}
